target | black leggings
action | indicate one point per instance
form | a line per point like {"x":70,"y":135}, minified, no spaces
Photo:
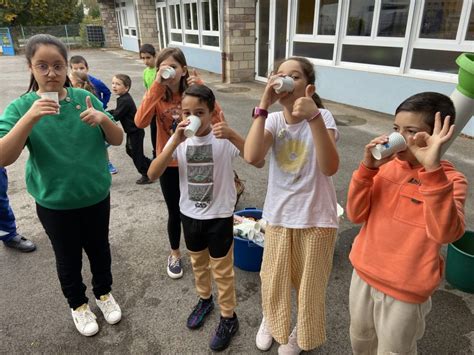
{"x":169,"y":182}
{"x":153,"y":133}
{"x":70,"y":231}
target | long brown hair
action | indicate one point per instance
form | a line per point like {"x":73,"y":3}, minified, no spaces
{"x":177,"y":55}
{"x":83,"y":81}
{"x":309,"y":73}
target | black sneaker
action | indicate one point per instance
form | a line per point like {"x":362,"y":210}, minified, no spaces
{"x":225,"y":331}
{"x":199,"y":313}
{"x":144,"y":180}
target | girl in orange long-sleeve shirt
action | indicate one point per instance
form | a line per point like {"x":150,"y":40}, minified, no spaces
{"x":163,"y":101}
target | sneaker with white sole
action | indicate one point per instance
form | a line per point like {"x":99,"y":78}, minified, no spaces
{"x":174,"y":267}
{"x":110,"y":308}
{"x":264,"y":338}
{"x":84,"y":320}
{"x":292,"y":347}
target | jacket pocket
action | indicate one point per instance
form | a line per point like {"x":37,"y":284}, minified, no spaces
{"x":410,"y":205}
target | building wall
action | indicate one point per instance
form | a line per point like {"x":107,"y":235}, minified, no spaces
{"x":147,"y":27}
{"x":107,"y":12}
{"x":239,"y":40}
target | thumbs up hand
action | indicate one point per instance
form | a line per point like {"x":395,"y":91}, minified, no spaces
{"x":91,"y":116}
{"x":305,"y":107}
{"x":222,"y":129}
{"x":194,"y":78}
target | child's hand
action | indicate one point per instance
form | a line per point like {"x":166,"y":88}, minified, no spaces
{"x":222,"y":129}
{"x":194,"y":78}
{"x":42,"y":107}
{"x":305,"y":107}
{"x":369,"y":161}
{"x":427,"y":148}
{"x":91,"y":116}
{"x":178,"y":135}
{"x":269,"y":96}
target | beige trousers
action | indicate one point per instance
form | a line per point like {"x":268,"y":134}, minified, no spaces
{"x":381,"y":324}
{"x":301,"y":258}
{"x":222,"y":270}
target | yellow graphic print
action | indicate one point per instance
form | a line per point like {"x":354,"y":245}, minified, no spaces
{"x":292,"y":156}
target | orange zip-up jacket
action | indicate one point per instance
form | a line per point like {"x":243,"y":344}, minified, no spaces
{"x":408,"y":213}
{"x":167,"y":113}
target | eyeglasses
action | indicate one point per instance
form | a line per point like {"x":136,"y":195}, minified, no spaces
{"x":44,"y":69}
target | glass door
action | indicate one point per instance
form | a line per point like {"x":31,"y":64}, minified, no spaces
{"x":162,"y":25}
{"x":272,"y":41}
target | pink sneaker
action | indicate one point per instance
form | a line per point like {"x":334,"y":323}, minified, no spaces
{"x":264,"y":338}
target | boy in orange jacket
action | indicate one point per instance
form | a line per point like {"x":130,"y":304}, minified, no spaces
{"x":410,"y":204}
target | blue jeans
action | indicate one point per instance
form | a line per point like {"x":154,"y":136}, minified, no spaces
{"x":7,"y":218}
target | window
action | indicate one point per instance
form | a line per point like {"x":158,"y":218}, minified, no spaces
{"x":199,"y":25}
{"x":444,"y":32}
{"x":440,"y":19}
{"x":470,"y":29}
{"x":361,"y":13}
{"x":315,"y":32}
{"x":175,"y":23}
{"x":327,"y":17}
{"x":393,"y":18}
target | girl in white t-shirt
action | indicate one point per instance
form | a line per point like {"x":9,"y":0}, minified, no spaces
{"x":300,"y":208}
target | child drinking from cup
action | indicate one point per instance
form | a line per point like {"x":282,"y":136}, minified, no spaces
{"x":300,"y":207}
{"x":410,"y":204}
{"x":162,"y":102}
{"x":206,"y":181}
{"x":73,"y":205}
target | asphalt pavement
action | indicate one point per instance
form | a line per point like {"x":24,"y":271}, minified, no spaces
{"x":35,"y":318}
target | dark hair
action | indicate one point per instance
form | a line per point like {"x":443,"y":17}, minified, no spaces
{"x":84,"y":81}
{"x":32,"y":46}
{"x":309,"y":73}
{"x":147,"y":48}
{"x":177,"y":55}
{"x":203,"y":93}
{"x":125,"y":79}
{"x":78,"y":59}
{"x":427,"y":104}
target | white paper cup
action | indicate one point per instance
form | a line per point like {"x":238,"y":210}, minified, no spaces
{"x":284,"y":84}
{"x":53,"y":95}
{"x":396,"y":143}
{"x":168,"y":73}
{"x":192,"y":128}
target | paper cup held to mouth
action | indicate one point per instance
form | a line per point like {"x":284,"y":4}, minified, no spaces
{"x":193,"y":127}
{"x":168,"y":73}
{"x":284,"y":84}
{"x":396,"y":143}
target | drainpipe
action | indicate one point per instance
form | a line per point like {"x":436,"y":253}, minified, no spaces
{"x":223,"y":39}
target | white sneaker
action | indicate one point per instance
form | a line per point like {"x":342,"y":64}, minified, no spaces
{"x":84,"y":320}
{"x":264,"y":338}
{"x":292,"y":347}
{"x":110,"y":308}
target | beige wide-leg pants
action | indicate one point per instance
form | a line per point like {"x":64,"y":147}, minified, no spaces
{"x":301,"y":258}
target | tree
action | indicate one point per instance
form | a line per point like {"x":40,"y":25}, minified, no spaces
{"x":40,"y":12}
{"x":93,"y":8}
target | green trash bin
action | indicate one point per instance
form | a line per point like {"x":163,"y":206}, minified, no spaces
{"x":460,"y":263}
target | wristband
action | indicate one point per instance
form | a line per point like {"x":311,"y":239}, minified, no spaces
{"x":316,"y":115}
{"x":259,"y":112}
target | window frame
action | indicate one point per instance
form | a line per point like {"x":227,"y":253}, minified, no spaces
{"x":197,"y":28}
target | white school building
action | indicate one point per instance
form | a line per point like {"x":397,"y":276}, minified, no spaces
{"x":367,"y":53}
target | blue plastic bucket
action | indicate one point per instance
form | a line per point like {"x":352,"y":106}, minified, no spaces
{"x":247,"y":254}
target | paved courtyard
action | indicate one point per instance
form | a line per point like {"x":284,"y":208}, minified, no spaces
{"x":35,"y":318}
